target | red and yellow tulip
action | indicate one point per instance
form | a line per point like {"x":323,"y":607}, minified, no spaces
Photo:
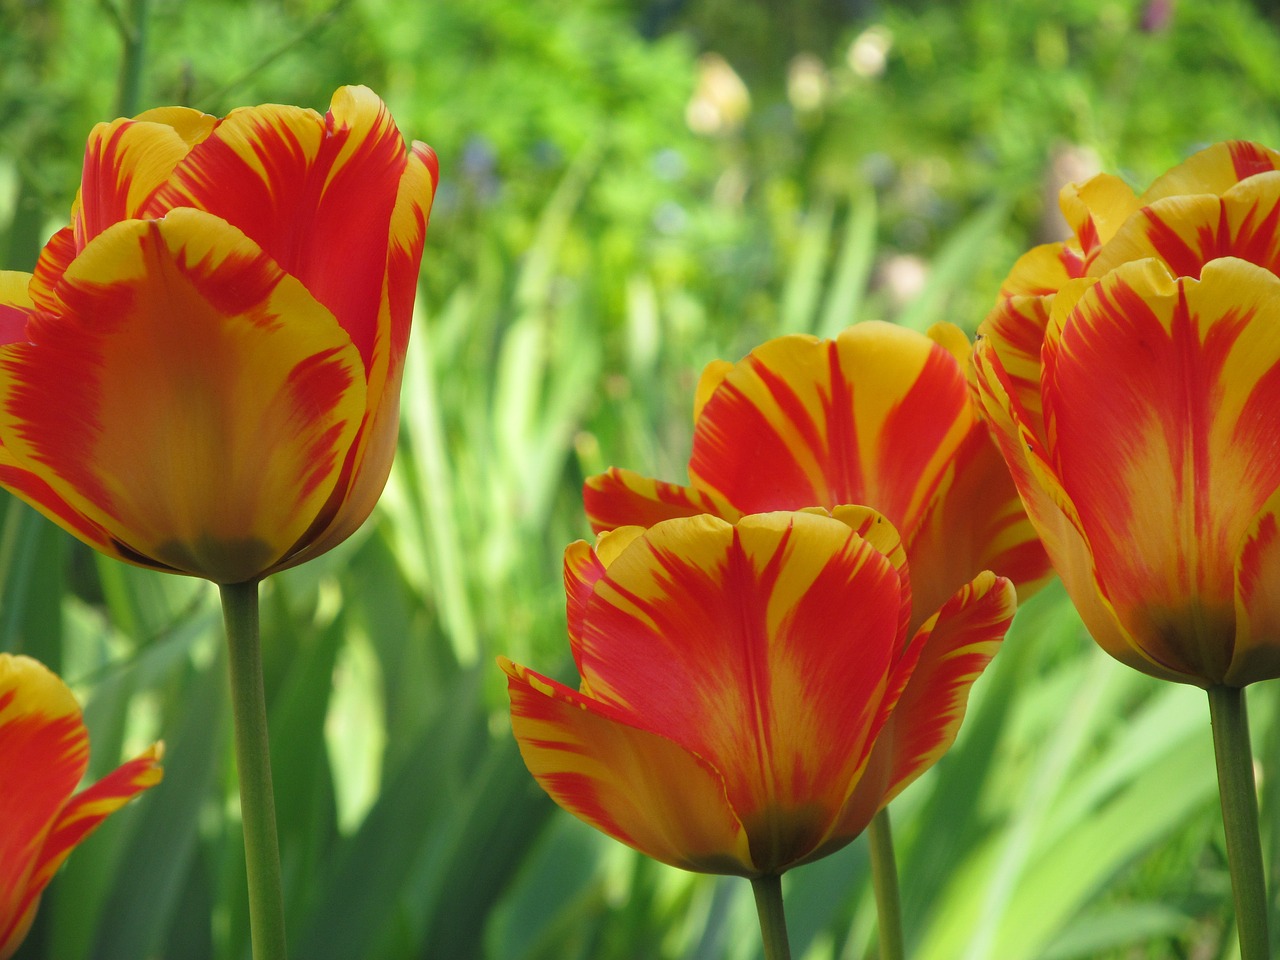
{"x":1132,"y":376}
{"x":44,"y":751}
{"x":202,"y":375}
{"x":751,"y":692}
{"x":880,"y":416}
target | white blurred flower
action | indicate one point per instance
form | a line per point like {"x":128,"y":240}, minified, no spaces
{"x":721,"y":102}
{"x":870,"y":51}
{"x":807,"y":82}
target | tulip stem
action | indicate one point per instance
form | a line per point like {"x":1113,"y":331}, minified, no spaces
{"x":253,"y":761}
{"x":133,"y":35}
{"x":773,"y":919}
{"x":1239,"y":797}
{"x":884,"y":877}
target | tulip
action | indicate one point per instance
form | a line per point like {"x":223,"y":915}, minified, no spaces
{"x":1129,"y":376}
{"x":44,"y":751}
{"x":1132,"y":377}
{"x":202,"y":374}
{"x":880,"y":416}
{"x":751,"y":693}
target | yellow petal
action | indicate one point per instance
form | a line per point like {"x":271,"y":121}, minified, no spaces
{"x":630,"y":783}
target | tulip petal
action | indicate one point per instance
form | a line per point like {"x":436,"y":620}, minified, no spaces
{"x":16,"y":305}
{"x":316,"y":193}
{"x":737,"y":643}
{"x":209,"y":444}
{"x":409,"y":217}
{"x":369,"y":463}
{"x":631,"y":783}
{"x":1052,"y":514}
{"x":45,"y":748}
{"x":125,"y":162}
{"x":1160,"y":395}
{"x":50,"y":266}
{"x":1095,"y":210}
{"x":954,"y":647}
{"x":1214,"y":169}
{"x":957,"y":644}
{"x":86,"y":810}
{"x":880,"y":416}
{"x":977,"y":522}
{"x":871,"y":417}
{"x":583,"y":566}
{"x":1186,"y":232}
{"x":1042,"y":270}
{"x":1257,"y":650}
{"x":620,"y":497}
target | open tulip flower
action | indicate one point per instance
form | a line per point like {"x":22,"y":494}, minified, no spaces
{"x":751,"y":692}
{"x":202,"y":375}
{"x":1131,"y":377}
{"x":881,"y":416}
{"x":44,"y":751}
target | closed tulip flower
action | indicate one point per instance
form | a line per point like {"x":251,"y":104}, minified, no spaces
{"x":751,"y":693}
{"x":1132,"y":375}
{"x":880,"y":416}
{"x":202,"y":374}
{"x":44,"y":751}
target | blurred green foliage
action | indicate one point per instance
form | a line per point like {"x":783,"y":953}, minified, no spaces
{"x":629,"y":190}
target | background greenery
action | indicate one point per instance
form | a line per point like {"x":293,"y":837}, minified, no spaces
{"x":618,"y":206}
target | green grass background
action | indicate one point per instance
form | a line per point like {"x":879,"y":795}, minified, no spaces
{"x":588,"y":254}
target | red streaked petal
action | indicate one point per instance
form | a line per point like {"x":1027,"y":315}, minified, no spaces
{"x":316,"y":193}
{"x":871,"y":417}
{"x":31,"y":487}
{"x":1161,"y":394}
{"x":408,"y":234}
{"x":45,"y":748}
{"x":883,"y":537}
{"x":16,"y":305}
{"x":50,"y":266}
{"x":737,"y":643}
{"x":620,"y":498}
{"x":369,"y":464}
{"x":583,"y":566}
{"x":1053,"y":516}
{"x":1256,"y":655}
{"x":1214,"y":169}
{"x":631,"y":783}
{"x":1186,"y":232}
{"x":125,"y":161}
{"x":171,"y":404}
{"x":1015,"y":331}
{"x":957,"y":644}
{"x":87,"y":809}
{"x":977,"y":523}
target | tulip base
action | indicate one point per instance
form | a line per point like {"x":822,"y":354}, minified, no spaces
{"x":773,"y":920}
{"x":1239,"y":797}
{"x":253,"y":762}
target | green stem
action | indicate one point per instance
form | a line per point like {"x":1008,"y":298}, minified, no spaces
{"x":884,"y":877}
{"x":132,"y":27}
{"x":773,"y":919}
{"x":1240,"y":818}
{"x":253,"y":760}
